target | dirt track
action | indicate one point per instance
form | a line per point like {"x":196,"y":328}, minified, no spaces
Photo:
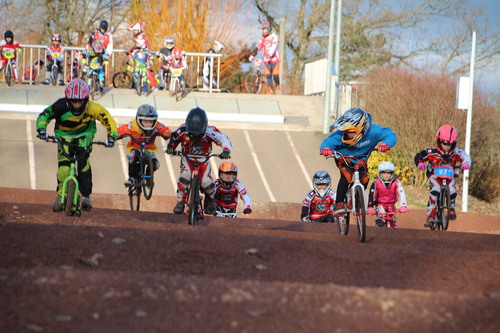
{"x":113,"y":270}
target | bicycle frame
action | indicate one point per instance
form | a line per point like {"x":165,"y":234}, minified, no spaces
{"x":145,"y":182}
{"x":388,"y":217}
{"x":55,"y":68}
{"x":70,"y":185}
{"x":95,"y":67}
{"x":9,"y":70}
{"x":355,"y":201}
{"x":196,"y":210}
{"x":444,"y":173}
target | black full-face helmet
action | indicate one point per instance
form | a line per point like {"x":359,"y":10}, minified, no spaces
{"x":8,"y":34}
{"x":104,"y":25}
{"x":196,"y":123}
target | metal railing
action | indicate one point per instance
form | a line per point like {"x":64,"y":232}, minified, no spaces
{"x":33,"y":53}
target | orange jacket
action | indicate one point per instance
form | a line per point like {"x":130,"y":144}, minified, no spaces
{"x":133,"y":129}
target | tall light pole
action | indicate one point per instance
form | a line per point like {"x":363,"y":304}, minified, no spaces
{"x":328,"y":88}
{"x":337,"y":57}
{"x":465,"y":190}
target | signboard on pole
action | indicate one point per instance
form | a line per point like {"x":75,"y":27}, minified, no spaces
{"x":463,"y":92}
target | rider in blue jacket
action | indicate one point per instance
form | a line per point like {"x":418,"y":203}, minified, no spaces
{"x":355,"y":135}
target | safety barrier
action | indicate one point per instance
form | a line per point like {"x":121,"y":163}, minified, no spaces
{"x":29,"y":60}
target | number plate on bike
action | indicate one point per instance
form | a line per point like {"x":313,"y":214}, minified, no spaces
{"x":94,"y":65}
{"x":444,"y":171}
{"x":8,"y":54}
{"x":176,"y":72}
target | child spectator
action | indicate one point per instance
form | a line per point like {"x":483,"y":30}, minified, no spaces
{"x":208,"y":65}
{"x":33,"y":71}
{"x":319,"y":203}
{"x":9,"y":47}
{"x":228,"y":188}
{"x":144,"y":128}
{"x":54,"y":55}
{"x":446,"y":153}
{"x":385,"y":191}
{"x":164,"y":54}
{"x":196,"y":138}
{"x":355,"y":135}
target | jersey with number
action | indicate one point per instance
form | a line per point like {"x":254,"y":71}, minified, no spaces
{"x":319,"y":206}
{"x":228,"y":197}
{"x":13,"y":47}
{"x":202,"y":146}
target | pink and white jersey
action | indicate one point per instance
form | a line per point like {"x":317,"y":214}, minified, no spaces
{"x":389,"y":195}
{"x":269,"y":46}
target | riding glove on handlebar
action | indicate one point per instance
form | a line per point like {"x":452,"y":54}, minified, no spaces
{"x":383,"y":147}
{"x":371,"y":211}
{"x":42,"y":134}
{"x":110,"y":142}
{"x":465,"y":167}
{"x":403,"y":209}
{"x":326,"y":152}
{"x":225,"y":155}
{"x":421,"y":166}
{"x":170,"y":150}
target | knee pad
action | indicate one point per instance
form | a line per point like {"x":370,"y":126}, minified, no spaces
{"x":434,"y":193}
{"x":453,"y":196}
{"x":209,"y":189}
{"x":183,"y":181}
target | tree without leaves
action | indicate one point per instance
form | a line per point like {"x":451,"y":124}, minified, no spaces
{"x":375,"y":32}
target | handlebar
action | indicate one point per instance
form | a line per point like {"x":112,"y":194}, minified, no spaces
{"x":147,"y":139}
{"x":232,"y":215}
{"x":390,"y":214}
{"x":55,"y":139}
{"x":204,"y":158}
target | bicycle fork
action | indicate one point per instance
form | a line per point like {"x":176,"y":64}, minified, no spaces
{"x":65,"y":184}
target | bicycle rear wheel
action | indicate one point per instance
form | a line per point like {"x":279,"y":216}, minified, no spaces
{"x":253,"y":83}
{"x":8,"y":74}
{"x":444,"y":208}
{"x":121,"y":80}
{"x":194,"y":202}
{"x":360,"y":213}
{"x":70,"y":193}
{"x":147,"y":176}
{"x":134,"y":194}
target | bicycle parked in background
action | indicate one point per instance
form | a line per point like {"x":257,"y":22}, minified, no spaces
{"x":195,"y":194}
{"x":70,"y":197}
{"x":144,"y":181}
{"x":253,"y":80}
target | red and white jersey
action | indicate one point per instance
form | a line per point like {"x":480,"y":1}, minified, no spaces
{"x":55,"y":52}
{"x":106,"y":39}
{"x":434,"y":157}
{"x":318,"y":206}
{"x":203,"y":146}
{"x":228,"y":197}
{"x":269,"y":46}
{"x":382,"y":195}
{"x":13,"y":47}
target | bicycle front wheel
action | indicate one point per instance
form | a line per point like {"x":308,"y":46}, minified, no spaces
{"x":134,"y":194}
{"x":70,"y":194}
{"x":253,"y":83}
{"x":54,"y":75}
{"x":121,"y":80}
{"x":147,"y":176}
{"x":342,"y":223}
{"x":444,"y":208}
{"x":194,"y":202}
{"x":360,"y":213}
{"x":138,"y":85}
{"x":178,"y":91}
{"x":8,"y":74}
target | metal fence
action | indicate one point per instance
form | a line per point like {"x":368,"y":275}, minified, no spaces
{"x":26,"y":61}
